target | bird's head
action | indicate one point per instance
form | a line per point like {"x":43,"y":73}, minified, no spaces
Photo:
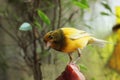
{"x":48,"y":39}
{"x":53,"y":38}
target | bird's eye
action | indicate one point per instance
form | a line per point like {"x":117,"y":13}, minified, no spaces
{"x":50,"y":37}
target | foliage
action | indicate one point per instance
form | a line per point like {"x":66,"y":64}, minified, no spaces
{"x":44,"y":17}
{"x":38,"y":25}
{"x":104,"y":13}
{"x":83,"y":4}
{"x":83,"y":67}
{"x":106,"y":6}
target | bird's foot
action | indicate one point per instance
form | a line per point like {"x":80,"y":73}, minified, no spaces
{"x":76,"y":60}
{"x":71,"y":61}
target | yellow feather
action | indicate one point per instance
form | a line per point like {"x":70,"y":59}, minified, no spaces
{"x":75,"y":39}
{"x":69,"y":40}
{"x":117,"y":9}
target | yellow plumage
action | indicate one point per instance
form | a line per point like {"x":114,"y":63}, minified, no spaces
{"x":75,"y":39}
{"x":117,"y":9}
{"x":69,"y":40}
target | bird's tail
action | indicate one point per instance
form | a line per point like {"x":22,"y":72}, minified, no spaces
{"x":99,"y":42}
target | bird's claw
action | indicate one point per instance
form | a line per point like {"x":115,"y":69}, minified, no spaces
{"x":76,"y":60}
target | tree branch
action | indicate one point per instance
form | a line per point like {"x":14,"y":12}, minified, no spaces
{"x":10,"y":34}
{"x":70,"y":17}
{"x":54,"y":16}
{"x":59,"y":13}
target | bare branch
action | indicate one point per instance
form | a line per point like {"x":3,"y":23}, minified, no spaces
{"x":10,"y":34}
{"x":54,"y":17}
{"x":70,"y":17}
{"x":60,"y":13}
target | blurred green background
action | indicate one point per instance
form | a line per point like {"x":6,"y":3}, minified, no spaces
{"x":23,"y":23}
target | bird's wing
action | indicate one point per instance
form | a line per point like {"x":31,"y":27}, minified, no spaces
{"x":79,"y":35}
{"x":73,"y":33}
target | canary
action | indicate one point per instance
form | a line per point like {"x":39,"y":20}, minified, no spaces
{"x":68,"y":40}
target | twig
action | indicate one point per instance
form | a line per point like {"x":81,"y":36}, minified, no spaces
{"x":60,"y":13}
{"x":54,"y":17}
{"x":10,"y":34}
{"x":21,"y":68}
{"x":70,"y":17}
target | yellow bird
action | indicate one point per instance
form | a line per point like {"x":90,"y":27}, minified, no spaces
{"x":68,"y":40}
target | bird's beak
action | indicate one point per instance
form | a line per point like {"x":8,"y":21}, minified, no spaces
{"x":48,"y":44}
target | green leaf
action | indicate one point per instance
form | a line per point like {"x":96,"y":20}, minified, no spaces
{"x":88,"y":26}
{"x":104,"y":13}
{"x":83,"y":4}
{"x":83,"y":67}
{"x":44,"y":17}
{"x":25,"y":27}
{"x":93,"y":78}
{"x":107,"y":6}
{"x":38,"y":25}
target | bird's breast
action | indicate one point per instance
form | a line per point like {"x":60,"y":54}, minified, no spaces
{"x":73,"y":45}
{"x":70,"y":47}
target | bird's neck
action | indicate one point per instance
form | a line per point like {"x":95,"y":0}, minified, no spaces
{"x":61,"y":43}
